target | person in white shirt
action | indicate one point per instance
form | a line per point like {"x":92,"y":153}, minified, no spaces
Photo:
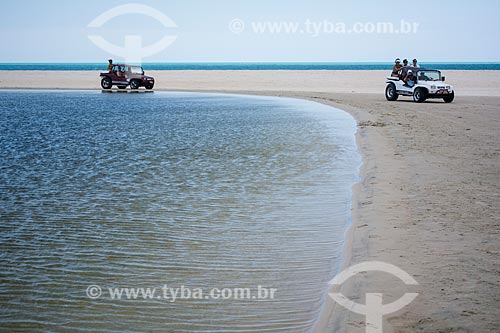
{"x":415,"y":63}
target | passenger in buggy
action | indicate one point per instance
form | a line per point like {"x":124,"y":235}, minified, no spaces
{"x":396,"y":68}
{"x":409,"y":79}
{"x":404,"y":72}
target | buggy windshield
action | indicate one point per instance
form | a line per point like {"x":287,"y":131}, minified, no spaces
{"x":429,"y":76}
{"x":136,"y":70}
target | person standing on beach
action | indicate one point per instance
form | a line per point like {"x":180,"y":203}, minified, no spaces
{"x":110,"y":65}
{"x":405,"y":63}
{"x":415,"y":63}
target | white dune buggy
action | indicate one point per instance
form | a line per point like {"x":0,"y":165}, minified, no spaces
{"x":424,"y":84}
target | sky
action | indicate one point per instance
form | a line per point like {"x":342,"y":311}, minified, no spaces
{"x":239,"y":31}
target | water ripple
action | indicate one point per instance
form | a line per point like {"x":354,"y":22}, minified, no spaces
{"x":143,"y":190}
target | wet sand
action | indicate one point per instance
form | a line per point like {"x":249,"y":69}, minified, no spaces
{"x":428,"y":198}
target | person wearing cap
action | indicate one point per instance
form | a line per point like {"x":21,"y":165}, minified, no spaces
{"x":415,"y":63}
{"x":409,"y":79}
{"x":110,"y":65}
{"x":396,"y":68}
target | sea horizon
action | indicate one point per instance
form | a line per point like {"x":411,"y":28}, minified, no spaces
{"x":85,"y":66}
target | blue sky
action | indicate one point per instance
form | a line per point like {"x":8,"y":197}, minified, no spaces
{"x":57,"y":30}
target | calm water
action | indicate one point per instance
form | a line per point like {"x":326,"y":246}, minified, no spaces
{"x":142,"y":190}
{"x":250,"y":66}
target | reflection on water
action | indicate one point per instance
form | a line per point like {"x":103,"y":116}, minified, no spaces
{"x":142,"y":190}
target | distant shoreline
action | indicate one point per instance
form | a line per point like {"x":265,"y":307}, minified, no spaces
{"x":81,"y":66}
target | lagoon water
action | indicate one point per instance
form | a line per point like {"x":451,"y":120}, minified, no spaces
{"x":196,"y":190}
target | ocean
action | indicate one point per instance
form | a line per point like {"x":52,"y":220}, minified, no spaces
{"x":208,"y":193}
{"x":247,"y":66}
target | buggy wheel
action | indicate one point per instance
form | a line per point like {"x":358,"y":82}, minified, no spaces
{"x":106,"y":83}
{"x":390,"y":92}
{"x":419,"y":95}
{"x":449,"y":98}
{"x":134,"y":84}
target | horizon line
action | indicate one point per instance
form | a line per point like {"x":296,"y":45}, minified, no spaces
{"x":249,"y":62}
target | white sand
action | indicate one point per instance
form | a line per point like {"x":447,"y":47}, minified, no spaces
{"x":428,"y":199}
{"x":469,"y":83}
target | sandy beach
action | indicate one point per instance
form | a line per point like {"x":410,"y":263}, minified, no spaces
{"x":467,"y":83}
{"x":428,"y":198}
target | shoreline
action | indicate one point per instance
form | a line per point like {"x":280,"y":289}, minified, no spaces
{"x":426,"y":200}
{"x":466,"y":82}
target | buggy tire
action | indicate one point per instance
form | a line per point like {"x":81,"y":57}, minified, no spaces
{"x":449,"y":98}
{"x":106,"y":82}
{"x":420,"y":95}
{"x":390,"y":92}
{"x":134,"y":84}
